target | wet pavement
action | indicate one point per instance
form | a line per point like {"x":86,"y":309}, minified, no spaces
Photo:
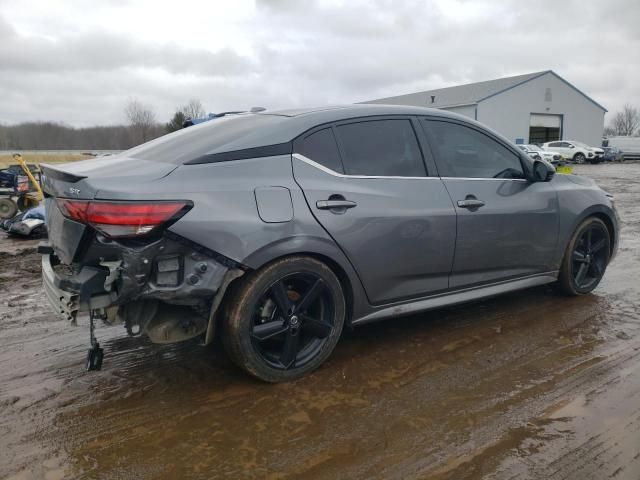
{"x":530,"y":385}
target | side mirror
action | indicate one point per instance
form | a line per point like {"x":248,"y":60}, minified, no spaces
{"x":543,"y":171}
{"x":572,"y":146}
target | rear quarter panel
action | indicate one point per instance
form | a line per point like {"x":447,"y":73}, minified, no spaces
{"x":225,"y":216}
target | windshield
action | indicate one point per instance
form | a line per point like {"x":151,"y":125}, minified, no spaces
{"x":535,"y":148}
{"x":198,"y":140}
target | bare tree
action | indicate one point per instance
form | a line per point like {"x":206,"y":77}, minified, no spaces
{"x":142,"y":120}
{"x":193,"y":109}
{"x":626,"y":122}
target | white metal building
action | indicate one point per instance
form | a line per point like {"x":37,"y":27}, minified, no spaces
{"x":533,"y":108}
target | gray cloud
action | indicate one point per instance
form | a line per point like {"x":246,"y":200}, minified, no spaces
{"x":291,"y":53}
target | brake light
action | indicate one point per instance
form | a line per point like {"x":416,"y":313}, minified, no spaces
{"x":123,"y":219}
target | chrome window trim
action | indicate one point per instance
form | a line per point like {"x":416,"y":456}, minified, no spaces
{"x":308,"y":161}
{"x":491,"y":179}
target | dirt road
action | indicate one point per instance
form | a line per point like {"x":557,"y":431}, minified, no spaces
{"x":531,"y":385}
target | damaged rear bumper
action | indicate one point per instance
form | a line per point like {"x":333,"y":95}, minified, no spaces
{"x":65,"y":304}
{"x":68,"y":295}
{"x":169,"y":288}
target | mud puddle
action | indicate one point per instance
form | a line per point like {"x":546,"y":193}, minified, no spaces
{"x":531,"y":385}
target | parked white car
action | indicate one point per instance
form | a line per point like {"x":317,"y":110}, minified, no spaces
{"x":578,"y":152}
{"x":537,"y":153}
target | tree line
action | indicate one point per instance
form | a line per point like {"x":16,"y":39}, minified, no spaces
{"x":141,"y":126}
{"x":624,"y":123}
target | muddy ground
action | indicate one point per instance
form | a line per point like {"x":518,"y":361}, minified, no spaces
{"x":530,"y":385}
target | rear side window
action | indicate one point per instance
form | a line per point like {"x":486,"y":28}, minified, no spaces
{"x":321,"y":147}
{"x":228,"y":133}
{"x":555,"y":144}
{"x":381,"y":148}
{"x":465,"y":152}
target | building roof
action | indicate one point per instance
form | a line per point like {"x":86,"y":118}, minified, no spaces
{"x":471,"y":93}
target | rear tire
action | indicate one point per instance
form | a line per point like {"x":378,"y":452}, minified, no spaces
{"x":284,"y":320}
{"x":585,"y":259}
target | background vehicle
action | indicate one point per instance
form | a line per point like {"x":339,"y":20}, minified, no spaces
{"x":19,"y":188}
{"x":612,"y":154}
{"x":279,"y":228}
{"x":532,"y":153}
{"x":576,"y":151}
{"x":538,"y":153}
{"x":630,"y":146}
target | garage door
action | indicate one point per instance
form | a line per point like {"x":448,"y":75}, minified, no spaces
{"x":544,"y":128}
{"x":547,"y":121}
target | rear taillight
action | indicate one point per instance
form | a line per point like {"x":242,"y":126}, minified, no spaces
{"x":123,"y":219}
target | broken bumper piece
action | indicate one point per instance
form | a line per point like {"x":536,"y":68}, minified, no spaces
{"x":69,"y":294}
{"x":65,"y":304}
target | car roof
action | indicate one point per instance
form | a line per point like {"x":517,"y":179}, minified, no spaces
{"x":290,"y":123}
{"x":331,"y":113}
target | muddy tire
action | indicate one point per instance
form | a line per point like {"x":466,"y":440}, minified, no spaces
{"x":284,"y":320}
{"x":585,"y":258}
{"x":8,"y":208}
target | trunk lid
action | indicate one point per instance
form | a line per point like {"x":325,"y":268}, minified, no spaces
{"x":84,"y":180}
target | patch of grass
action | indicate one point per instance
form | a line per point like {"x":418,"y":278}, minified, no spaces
{"x":6,"y":160}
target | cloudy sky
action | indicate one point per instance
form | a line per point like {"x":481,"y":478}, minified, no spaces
{"x":79,"y":61}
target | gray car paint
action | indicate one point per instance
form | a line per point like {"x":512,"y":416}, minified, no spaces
{"x":397,"y":253}
{"x":407,"y":224}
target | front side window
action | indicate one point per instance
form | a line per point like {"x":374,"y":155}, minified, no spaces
{"x":462,"y":151}
{"x":321,"y":147}
{"x":381,"y":148}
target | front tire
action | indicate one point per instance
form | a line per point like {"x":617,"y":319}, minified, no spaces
{"x":284,"y":320}
{"x":579,"y":158}
{"x":586,"y":258}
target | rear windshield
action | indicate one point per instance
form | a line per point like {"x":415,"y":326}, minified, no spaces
{"x":208,"y":137}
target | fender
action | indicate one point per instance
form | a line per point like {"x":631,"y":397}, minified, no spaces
{"x":326,"y":249}
{"x":568,"y":229}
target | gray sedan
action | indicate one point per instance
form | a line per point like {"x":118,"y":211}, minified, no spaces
{"x":275,"y":230}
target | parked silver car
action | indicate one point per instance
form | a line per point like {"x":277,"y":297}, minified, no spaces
{"x":277,"y":229}
{"x":538,"y":153}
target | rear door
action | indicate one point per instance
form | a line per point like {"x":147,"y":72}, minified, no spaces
{"x":507,"y":226}
{"x":366,"y":183}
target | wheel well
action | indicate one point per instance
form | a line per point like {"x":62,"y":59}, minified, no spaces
{"x":607,"y":221}
{"x":332,"y":264}
{"x":344,"y":282}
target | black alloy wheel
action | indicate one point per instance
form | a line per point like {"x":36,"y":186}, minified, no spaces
{"x":586,"y":258}
{"x":284,"y":320}
{"x":293,"y":321}
{"x":590,"y":256}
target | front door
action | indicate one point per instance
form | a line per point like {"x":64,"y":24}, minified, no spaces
{"x":366,"y":184}
{"x":507,"y":225}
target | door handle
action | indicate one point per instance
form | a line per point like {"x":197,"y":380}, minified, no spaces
{"x":331,"y":204}
{"x":470,"y":203}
